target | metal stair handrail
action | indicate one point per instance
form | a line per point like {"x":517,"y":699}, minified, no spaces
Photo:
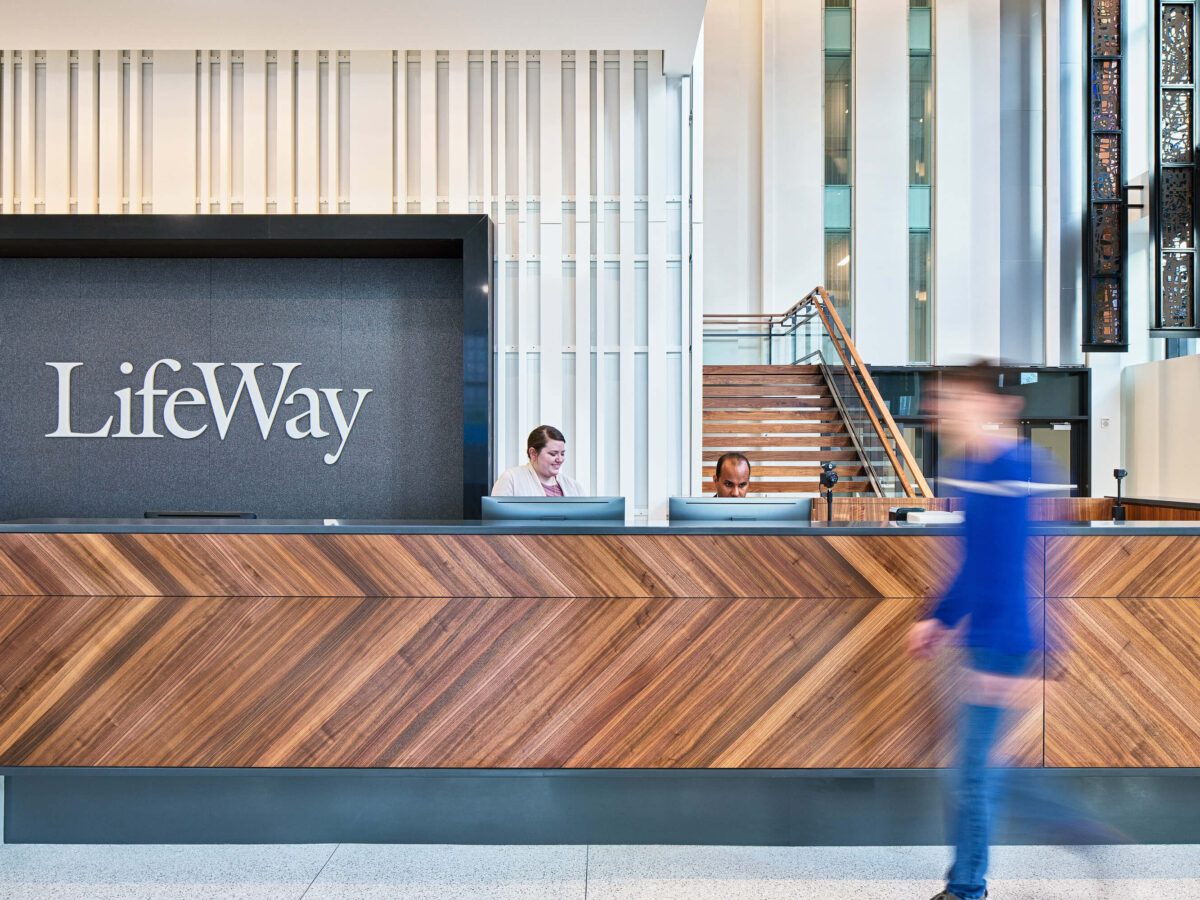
{"x":817,"y":301}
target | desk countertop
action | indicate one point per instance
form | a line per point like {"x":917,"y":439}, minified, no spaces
{"x":459,"y":527}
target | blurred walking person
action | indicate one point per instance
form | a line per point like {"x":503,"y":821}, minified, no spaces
{"x":995,"y":478}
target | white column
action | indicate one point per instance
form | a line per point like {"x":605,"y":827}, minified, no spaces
{"x":732,"y":152}
{"x":967,"y":199}
{"x":1052,"y":183}
{"x":793,"y":152}
{"x":881,"y":181}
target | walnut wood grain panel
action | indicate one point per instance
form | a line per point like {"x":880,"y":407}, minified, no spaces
{"x":1153,"y":512}
{"x":520,"y":682}
{"x":552,"y":565}
{"x":1129,"y":694}
{"x":1106,"y":565}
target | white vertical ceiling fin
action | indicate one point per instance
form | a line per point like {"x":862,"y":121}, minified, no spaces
{"x":460,"y":112}
{"x":87,"y":135}
{"x":254,"y":127}
{"x":550,"y":204}
{"x":485,"y":135}
{"x":109,"y":145}
{"x":400,"y":132}
{"x":628,"y":284}
{"x":308,"y":133}
{"x":285,"y":132}
{"x":7,"y":123}
{"x":429,"y":110}
{"x":225,"y":105}
{"x":583,"y":440}
{"x":656,"y":381}
{"x":333,"y":133}
{"x":207,"y":194}
{"x":133,"y":190}
{"x":58,"y":132}
{"x":27,"y":112}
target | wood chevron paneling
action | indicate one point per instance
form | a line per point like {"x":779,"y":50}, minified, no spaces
{"x":1130,"y":690}
{"x":465,"y":682}
{"x":1106,"y":565}
{"x":550,"y":565}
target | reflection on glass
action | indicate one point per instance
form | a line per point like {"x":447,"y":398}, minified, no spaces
{"x":914,"y":436}
{"x":920,"y":261}
{"x":837,"y":272}
{"x":1056,"y":442}
{"x":920,"y":120}
{"x":838,"y":130}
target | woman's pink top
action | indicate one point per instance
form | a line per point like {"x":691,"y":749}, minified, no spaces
{"x":553,"y":490}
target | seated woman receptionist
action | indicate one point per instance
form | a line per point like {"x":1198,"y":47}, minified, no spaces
{"x":540,"y":477}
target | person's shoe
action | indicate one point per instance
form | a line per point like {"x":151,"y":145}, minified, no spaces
{"x":946,"y":895}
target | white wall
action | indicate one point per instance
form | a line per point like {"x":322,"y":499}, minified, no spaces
{"x":793,"y":154}
{"x":579,"y":156}
{"x":732,"y":156}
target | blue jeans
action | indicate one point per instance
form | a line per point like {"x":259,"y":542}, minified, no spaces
{"x":978,"y":783}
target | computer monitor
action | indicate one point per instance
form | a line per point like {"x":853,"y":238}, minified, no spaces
{"x":744,"y":509}
{"x":555,"y":509}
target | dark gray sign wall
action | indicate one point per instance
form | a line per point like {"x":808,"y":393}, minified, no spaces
{"x":393,"y":326}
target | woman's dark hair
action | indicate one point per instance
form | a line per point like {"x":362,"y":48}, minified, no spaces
{"x":541,"y":436}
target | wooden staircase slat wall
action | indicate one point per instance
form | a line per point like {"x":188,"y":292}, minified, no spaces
{"x":784,"y":419}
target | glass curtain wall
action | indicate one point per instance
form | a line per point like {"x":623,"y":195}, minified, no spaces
{"x":920,"y":181}
{"x":839,"y":155}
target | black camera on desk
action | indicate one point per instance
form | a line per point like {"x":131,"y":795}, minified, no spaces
{"x":829,"y":478}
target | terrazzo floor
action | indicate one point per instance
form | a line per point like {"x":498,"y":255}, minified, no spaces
{"x":597,"y":872}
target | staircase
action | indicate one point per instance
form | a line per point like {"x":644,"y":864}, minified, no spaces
{"x":786,"y":421}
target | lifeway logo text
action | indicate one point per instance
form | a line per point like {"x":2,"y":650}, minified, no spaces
{"x":307,"y":423}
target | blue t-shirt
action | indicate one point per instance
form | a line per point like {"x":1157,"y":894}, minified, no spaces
{"x":991,"y":587}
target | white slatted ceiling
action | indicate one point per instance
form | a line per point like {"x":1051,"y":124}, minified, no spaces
{"x":618,"y":388}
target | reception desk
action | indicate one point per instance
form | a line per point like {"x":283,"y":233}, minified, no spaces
{"x":138,"y":647}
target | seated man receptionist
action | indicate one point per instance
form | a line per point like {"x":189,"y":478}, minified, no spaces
{"x":540,"y":477}
{"x":732,"y":475}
